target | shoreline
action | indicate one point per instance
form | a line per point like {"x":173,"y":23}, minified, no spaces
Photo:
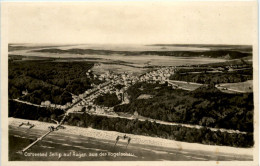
{"x":135,"y":139}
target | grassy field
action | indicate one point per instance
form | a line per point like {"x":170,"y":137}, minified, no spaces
{"x":185,"y":85}
{"x":145,"y":96}
{"x":118,"y":69}
{"x":242,"y":87}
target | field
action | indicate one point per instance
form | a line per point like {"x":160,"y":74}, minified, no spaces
{"x":240,"y":87}
{"x":118,"y":69}
{"x":185,"y":85}
{"x":144,"y":96}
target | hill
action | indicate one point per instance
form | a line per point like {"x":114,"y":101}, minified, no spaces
{"x":226,"y":54}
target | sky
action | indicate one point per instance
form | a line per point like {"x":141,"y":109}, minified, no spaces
{"x":132,"y":22}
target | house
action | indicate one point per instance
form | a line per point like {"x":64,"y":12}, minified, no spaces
{"x":63,"y":107}
{"x":47,"y":103}
{"x":81,"y":95}
{"x":25,"y":92}
{"x":68,"y":104}
{"x":43,"y":103}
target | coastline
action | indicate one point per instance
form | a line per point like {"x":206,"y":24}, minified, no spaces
{"x":135,"y":139}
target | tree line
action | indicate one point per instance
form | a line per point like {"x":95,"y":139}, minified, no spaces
{"x":211,"y":78}
{"x":147,"y":128}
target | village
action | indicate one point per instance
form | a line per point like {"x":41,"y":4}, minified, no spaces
{"x":85,"y":102}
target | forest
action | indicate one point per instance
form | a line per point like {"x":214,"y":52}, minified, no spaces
{"x":212,"y":78}
{"x":107,"y":100}
{"x":25,"y":111}
{"x":48,"y":80}
{"x":206,"y":106}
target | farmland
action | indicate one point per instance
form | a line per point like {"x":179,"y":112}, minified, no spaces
{"x":190,"y":86}
{"x":240,"y":87}
{"x":118,"y":69}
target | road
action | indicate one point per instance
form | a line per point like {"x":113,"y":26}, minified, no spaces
{"x":141,"y":118}
{"x":26,"y":102}
{"x":80,"y":148}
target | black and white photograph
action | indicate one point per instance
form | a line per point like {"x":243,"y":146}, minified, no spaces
{"x":129,"y":81}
